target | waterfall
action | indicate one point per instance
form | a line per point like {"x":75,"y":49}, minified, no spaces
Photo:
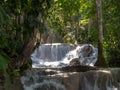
{"x":58,"y":54}
{"x":48,"y":79}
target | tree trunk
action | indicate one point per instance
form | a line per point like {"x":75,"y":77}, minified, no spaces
{"x":89,"y":26}
{"x":101,"y":60}
{"x":24,"y":57}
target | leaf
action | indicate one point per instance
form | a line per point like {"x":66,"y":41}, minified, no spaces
{"x":55,"y":31}
{"x":3,"y":16}
{"x":4,"y":59}
{"x":7,"y":81}
{"x":3,"y":62}
{"x":68,"y":38}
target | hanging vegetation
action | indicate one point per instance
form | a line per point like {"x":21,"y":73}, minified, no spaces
{"x":65,"y":21}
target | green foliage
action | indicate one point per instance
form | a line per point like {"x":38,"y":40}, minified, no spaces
{"x":111,"y":29}
{"x":67,"y":18}
{"x":2,"y":16}
{"x":4,"y":59}
{"x":17,"y":21}
{"x":71,"y":18}
{"x":3,"y":39}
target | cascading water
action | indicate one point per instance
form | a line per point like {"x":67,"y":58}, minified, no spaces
{"x":62,"y":54}
{"x":48,"y":79}
{"x":59,"y":55}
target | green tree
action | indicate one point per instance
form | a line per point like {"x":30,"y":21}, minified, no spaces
{"x":101,"y":60}
{"x":19,"y":23}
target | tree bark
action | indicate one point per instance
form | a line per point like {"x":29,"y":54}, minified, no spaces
{"x":101,"y":60}
{"x":24,"y":57}
{"x":89,"y":26}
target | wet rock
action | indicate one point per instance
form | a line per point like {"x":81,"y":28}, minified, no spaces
{"x":71,"y":78}
{"x":78,"y":68}
{"x":75,"y":62}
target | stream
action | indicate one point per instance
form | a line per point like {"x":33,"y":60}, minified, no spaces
{"x":49,"y":70}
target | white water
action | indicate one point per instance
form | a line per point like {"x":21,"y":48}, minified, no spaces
{"x":102,"y":80}
{"x":39,"y":79}
{"x":59,"y":55}
{"x":47,"y":84}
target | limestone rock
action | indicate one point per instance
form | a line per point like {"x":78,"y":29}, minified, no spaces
{"x":75,"y":62}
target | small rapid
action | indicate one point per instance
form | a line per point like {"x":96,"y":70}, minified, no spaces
{"x":49,"y":79}
{"x":58,"y":66}
{"x":60,"y":55}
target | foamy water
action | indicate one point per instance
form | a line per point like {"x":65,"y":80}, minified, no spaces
{"x":60,"y":55}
